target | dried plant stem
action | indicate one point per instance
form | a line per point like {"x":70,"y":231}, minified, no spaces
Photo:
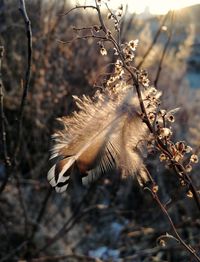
{"x":3,"y":129}
{"x":26,"y":85}
{"x":169,"y":37}
{"x":41,"y":213}
{"x":22,"y":204}
{"x":78,"y":7}
{"x":165,"y":212}
{"x":154,"y":41}
{"x":22,"y":9}
{"x":180,"y":169}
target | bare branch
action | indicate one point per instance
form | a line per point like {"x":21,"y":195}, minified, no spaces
{"x":169,"y":37}
{"x":3,"y":129}
{"x":165,"y":212}
{"x":79,"y":7}
{"x":154,"y":41}
{"x":41,"y":213}
{"x":26,"y":85}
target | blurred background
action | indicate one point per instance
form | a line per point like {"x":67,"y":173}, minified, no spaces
{"x":115,"y":221}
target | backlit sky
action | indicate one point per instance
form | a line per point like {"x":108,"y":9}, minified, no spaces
{"x":155,"y":6}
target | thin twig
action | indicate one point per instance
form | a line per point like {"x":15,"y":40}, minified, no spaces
{"x":40,"y":214}
{"x":78,"y":7}
{"x":26,"y":85}
{"x":84,"y":37}
{"x":169,"y":37}
{"x":153,"y":41}
{"x":165,"y":212}
{"x":22,"y":9}
{"x":3,"y":129}
{"x":101,"y":18}
{"x":150,"y":252}
{"x":22,"y":204}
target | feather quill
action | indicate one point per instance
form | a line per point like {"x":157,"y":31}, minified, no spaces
{"x":106,"y":132}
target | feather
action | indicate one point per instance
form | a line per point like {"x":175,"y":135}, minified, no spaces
{"x":106,"y":132}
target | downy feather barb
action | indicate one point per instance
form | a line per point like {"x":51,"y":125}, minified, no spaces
{"x":107,"y":132}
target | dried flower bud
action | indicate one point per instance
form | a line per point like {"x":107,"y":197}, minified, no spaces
{"x":182,"y":182}
{"x":127,"y":50}
{"x":120,"y":7}
{"x":119,"y":12}
{"x":188,"y":168}
{"x":129,"y":57}
{"x":162,"y":157}
{"x":116,"y":26}
{"x":180,"y":146}
{"x":194,"y":159}
{"x":103,"y":51}
{"x":146,"y":82}
{"x":178,"y":156}
{"x":133,"y":44}
{"x":165,"y":132}
{"x":96,"y":28}
{"x":162,"y":112}
{"x":109,"y":16}
{"x":144,"y":72}
{"x":155,"y":189}
{"x":119,"y":63}
{"x":98,"y":2}
{"x":188,"y":149}
{"x":151,"y":117}
{"x":143,"y":78}
{"x":189,"y":194}
{"x":171,"y":118}
{"x":115,"y":51}
{"x":162,"y":243}
{"x":152,"y":91}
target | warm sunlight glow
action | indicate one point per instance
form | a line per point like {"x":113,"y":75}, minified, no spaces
{"x":152,"y":6}
{"x":158,"y":6}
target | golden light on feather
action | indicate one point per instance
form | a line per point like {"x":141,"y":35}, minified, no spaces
{"x":104,"y":134}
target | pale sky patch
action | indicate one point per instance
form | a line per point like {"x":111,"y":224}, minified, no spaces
{"x":154,"y":6}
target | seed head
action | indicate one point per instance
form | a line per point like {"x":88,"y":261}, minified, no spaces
{"x":188,"y":168}
{"x":133,"y":44}
{"x":194,"y":159}
{"x":103,"y":51}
